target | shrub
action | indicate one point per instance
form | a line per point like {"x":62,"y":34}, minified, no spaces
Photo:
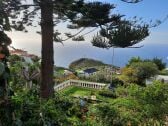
{"x":107,"y":93}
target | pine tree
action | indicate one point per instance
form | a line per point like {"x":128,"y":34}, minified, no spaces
{"x":80,"y":14}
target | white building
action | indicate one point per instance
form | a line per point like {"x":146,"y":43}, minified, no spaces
{"x":163,"y":78}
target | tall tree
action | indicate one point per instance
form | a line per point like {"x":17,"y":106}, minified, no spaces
{"x":47,"y":48}
{"x":80,"y":14}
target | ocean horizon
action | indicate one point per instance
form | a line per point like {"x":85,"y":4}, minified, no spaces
{"x":71,"y":51}
{"x":63,"y":57}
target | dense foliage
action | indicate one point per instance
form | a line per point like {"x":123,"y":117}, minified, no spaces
{"x":143,"y":71}
{"x":107,"y":93}
{"x":5,"y":41}
{"x":136,"y":106}
{"x":164,"y":72}
{"x":138,"y":70}
{"x":159,"y":62}
{"x":126,"y":105}
{"x":24,"y":74}
{"x":29,"y":110}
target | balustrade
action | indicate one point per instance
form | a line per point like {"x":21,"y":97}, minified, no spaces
{"x":80,"y":84}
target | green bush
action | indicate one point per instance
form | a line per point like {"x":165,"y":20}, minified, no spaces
{"x":117,"y":82}
{"x":136,"y":106}
{"x":164,"y":72}
{"x":107,"y":93}
{"x":27,"y":109}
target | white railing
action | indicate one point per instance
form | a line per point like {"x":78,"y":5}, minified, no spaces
{"x":79,"y":83}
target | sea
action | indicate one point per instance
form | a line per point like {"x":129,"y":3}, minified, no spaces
{"x":65,"y":53}
{"x":70,"y":51}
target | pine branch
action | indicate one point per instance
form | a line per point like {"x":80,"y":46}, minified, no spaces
{"x":135,"y":46}
{"x":89,"y":31}
{"x":132,"y":1}
{"x":24,"y":6}
{"x":26,"y":15}
{"x":79,"y":33}
{"x":74,"y":34}
{"x":13,"y":47}
{"x":158,"y":22}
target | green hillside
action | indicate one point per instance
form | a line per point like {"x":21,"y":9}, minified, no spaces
{"x":85,"y":62}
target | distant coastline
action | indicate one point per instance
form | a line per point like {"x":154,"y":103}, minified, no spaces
{"x":72,"y":51}
{"x":121,"y":56}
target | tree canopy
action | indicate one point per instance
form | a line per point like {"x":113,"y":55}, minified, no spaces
{"x":157,"y":61}
{"x":138,"y":72}
{"x":160,"y":64}
{"x":136,"y":106}
{"x":121,"y":34}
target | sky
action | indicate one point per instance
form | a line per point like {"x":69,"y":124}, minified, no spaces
{"x":147,"y":10}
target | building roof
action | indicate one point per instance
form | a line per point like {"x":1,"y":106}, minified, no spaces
{"x":17,"y":51}
{"x":90,"y":70}
{"x":21,"y":52}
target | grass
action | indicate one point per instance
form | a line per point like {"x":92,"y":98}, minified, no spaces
{"x":79,"y":91}
{"x":74,"y":91}
{"x":61,"y":71}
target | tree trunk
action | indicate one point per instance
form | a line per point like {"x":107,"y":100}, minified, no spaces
{"x":47,"y":63}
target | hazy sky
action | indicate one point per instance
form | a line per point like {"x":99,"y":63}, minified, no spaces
{"x":147,"y":9}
